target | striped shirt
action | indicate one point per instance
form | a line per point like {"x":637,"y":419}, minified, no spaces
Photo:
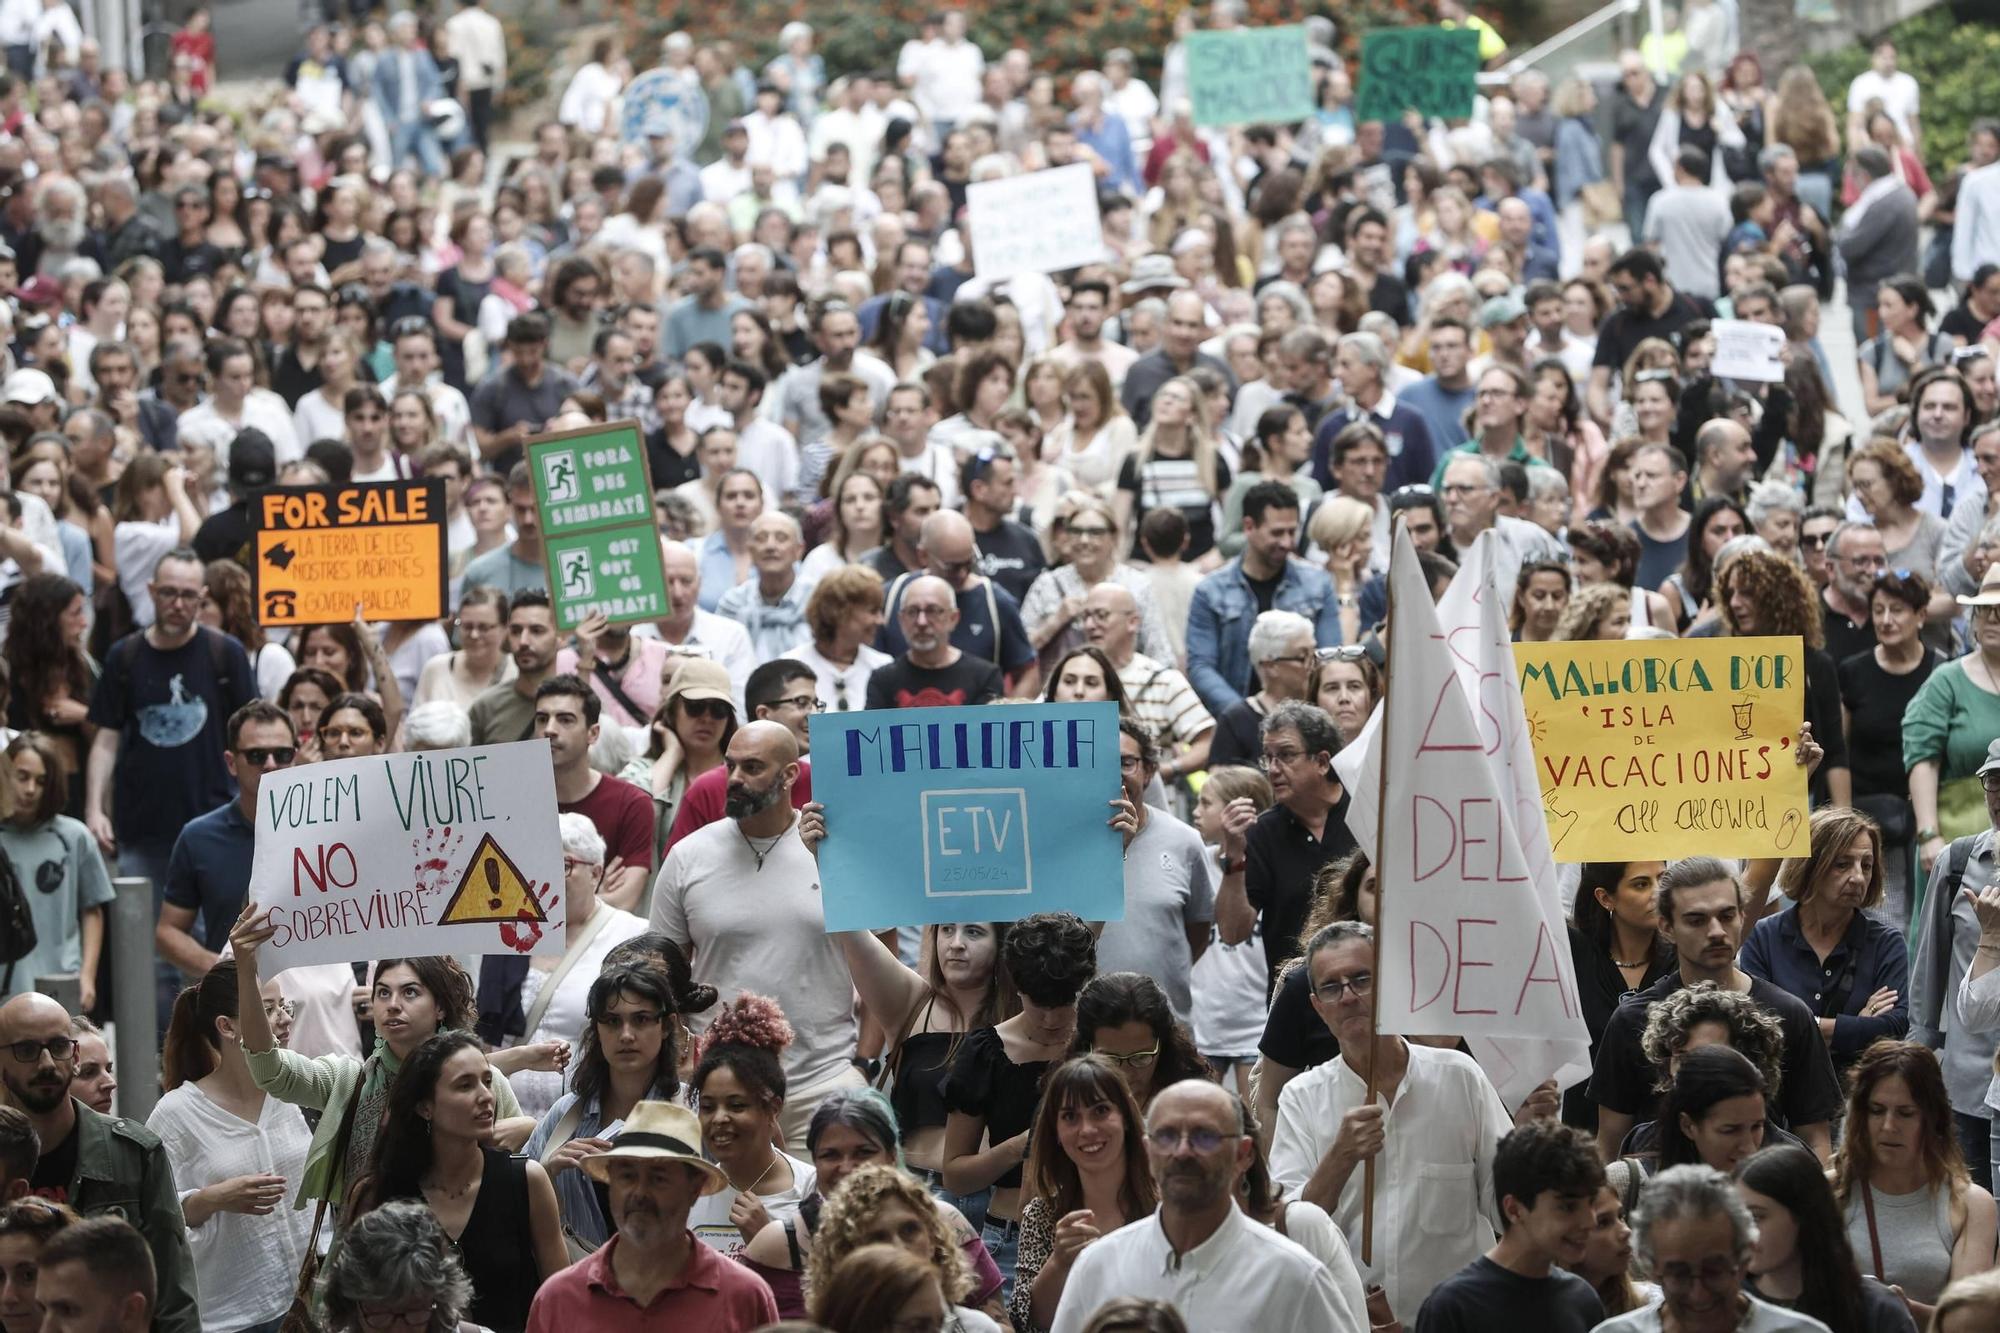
{"x":1163,"y":700}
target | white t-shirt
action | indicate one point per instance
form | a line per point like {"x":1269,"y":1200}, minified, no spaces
{"x":709,"y":1218}
{"x":1898,"y":94}
{"x":1230,"y":982}
{"x":761,"y":929}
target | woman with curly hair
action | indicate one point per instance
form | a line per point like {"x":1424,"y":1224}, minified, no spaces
{"x":1761,"y":593}
{"x":396,"y":1268}
{"x":1689,"y":589}
{"x":50,"y":674}
{"x":1706,"y":1015}
{"x":995,"y":1080}
{"x":1597,"y":611}
{"x":1915,"y":1218}
{"x":1088,"y":1174}
{"x":850,"y":1130}
{"x":1602,"y":551}
{"x":437,"y":1147}
{"x":877,"y":1207}
{"x":739,"y":1087}
{"x":1889,"y":489}
{"x":1126,"y":1018}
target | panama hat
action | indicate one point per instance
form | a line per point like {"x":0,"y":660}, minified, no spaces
{"x":1989,"y":589}
{"x":659,"y":1132}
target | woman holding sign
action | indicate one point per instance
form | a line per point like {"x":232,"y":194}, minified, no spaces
{"x":1763,"y":593}
{"x":412,"y":999}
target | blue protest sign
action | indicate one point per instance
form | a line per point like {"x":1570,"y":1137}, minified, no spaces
{"x":968,"y":814}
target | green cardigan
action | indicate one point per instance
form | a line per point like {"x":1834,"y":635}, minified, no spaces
{"x":326,"y":1083}
{"x":1950,"y":721}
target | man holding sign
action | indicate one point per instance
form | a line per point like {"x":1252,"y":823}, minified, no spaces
{"x":741,"y":896}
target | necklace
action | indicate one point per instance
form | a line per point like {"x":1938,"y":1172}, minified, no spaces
{"x":752,"y":1189}
{"x":770,"y":844}
{"x":458,"y":1193}
{"x":1620,"y":962}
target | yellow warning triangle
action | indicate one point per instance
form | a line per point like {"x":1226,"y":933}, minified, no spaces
{"x":492,"y":889}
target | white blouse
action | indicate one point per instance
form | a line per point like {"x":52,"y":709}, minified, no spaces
{"x":245,"y":1267}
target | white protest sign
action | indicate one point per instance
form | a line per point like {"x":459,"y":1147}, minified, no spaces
{"x":399,"y":855}
{"x":1042,"y":222}
{"x":1747,"y":351}
{"x":1472,"y":938}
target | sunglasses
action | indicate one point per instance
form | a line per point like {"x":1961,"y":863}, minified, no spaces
{"x":275,"y":754}
{"x":715,"y":710}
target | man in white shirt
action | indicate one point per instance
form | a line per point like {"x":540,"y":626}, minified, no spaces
{"x":235,"y":403}
{"x":481,"y":47}
{"x":1896,"y":91}
{"x":1432,"y":1132}
{"x":692,"y":632}
{"x":1198,"y":1252}
{"x":1088,"y":308}
{"x":741,"y":895}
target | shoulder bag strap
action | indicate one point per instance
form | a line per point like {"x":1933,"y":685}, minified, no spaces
{"x":1874,"y":1236}
{"x":575,"y":950}
{"x":609,"y":680}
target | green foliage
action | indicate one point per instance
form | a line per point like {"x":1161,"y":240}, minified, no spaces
{"x":1952,"y":62}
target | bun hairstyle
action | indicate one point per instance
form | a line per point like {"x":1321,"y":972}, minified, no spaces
{"x":747,"y":1038}
{"x":653,"y":947}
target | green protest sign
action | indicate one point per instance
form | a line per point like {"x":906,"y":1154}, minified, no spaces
{"x":1432,"y":70}
{"x":594,"y":494}
{"x":1249,"y":76}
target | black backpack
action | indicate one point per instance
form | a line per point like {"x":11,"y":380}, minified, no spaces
{"x":17,"y":921}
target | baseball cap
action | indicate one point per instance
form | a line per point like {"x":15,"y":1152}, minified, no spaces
{"x":253,"y":460}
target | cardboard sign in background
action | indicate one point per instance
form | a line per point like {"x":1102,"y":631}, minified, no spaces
{"x":1432,"y":70}
{"x":400,"y":855}
{"x":1041,"y":222}
{"x":321,"y":549}
{"x":968,"y":814}
{"x":594,"y":491}
{"x":1648,"y":750}
{"x":1249,"y":76}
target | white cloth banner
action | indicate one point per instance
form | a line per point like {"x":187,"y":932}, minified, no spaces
{"x":1746,"y":350}
{"x":1473,"y":938}
{"x":402,"y":855}
{"x":1041,"y":222}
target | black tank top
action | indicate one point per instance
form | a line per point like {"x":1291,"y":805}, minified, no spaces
{"x":917,"y":1092}
{"x":497,"y":1246}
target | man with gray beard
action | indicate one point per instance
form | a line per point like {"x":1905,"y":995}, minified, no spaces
{"x":741,"y":896}
{"x":61,"y":232}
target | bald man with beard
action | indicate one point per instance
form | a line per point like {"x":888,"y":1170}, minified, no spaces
{"x":933,"y":672}
{"x":741,"y":898}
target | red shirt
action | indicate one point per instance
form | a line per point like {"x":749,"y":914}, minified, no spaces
{"x":624,"y":818}
{"x":712,"y":1296}
{"x":702,"y":802}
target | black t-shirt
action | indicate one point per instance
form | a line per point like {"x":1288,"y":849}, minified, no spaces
{"x":1845,"y":638}
{"x":1875,"y":701}
{"x":292,"y":381}
{"x":1282,"y":857}
{"x":57,"y":1167}
{"x":1264,"y":590}
{"x":1294,"y":1033}
{"x":1237,"y":738}
{"x":904,"y":684}
{"x":670,"y":466}
{"x":1601,"y":988}
{"x":1883,"y":1310}
{"x":1483,"y":1295}
{"x":170,"y":710}
{"x":1010,"y":556}
{"x":1962,"y":324}
{"x":1624,"y":329}
{"x":1390,"y":296}
{"x":1623,"y":1080}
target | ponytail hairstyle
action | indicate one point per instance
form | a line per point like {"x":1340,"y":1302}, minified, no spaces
{"x":193,"y":1048}
{"x":653,"y":946}
{"x":747,"y":1038}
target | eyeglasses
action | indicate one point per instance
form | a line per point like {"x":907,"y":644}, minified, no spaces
{"x":1655,"y":377}
{"x":30,"y":1052}
{"x":1346,"y":652}
{"x":1075,"y":531}
{"x":570,"y":864}
{"x":1130,"y":763}
{"x":260,"y":755}
{"x":1812,"y":541}
{"x":398,"y":1318}
{"x":176,"y":594}
{"x":1273,"y":758}
{"x":806,"y":703}
{"x":1135,"y":1060}
{"x":1361,"y":983}
{"x":1203,"y":1141}
{"x":1416,"y":490}
{"x":279,"y":1009}
{"x":1710,"y":1273}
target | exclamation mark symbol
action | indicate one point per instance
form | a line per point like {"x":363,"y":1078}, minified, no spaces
{"x":492,"y":869}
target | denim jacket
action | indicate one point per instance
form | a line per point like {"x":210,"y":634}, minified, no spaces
{"x":1224,"y":608}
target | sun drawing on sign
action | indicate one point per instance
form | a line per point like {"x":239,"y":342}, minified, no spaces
{"x":1538,"y":730}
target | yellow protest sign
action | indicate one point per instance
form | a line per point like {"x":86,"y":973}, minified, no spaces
{"x":491,"y":889}
{"x":1658,"y":749}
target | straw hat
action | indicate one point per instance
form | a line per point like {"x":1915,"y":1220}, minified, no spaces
{"x":658,"y":1132}
{"x":1989,"y":589}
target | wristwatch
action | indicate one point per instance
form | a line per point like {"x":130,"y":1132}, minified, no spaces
{"x":1230,"y":865}
{"x":1927,"y":833}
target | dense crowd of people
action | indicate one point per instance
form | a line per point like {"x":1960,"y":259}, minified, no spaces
{"x":883,"y":479}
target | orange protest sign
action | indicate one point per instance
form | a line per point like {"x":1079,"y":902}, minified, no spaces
{"x":321,"y":549}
